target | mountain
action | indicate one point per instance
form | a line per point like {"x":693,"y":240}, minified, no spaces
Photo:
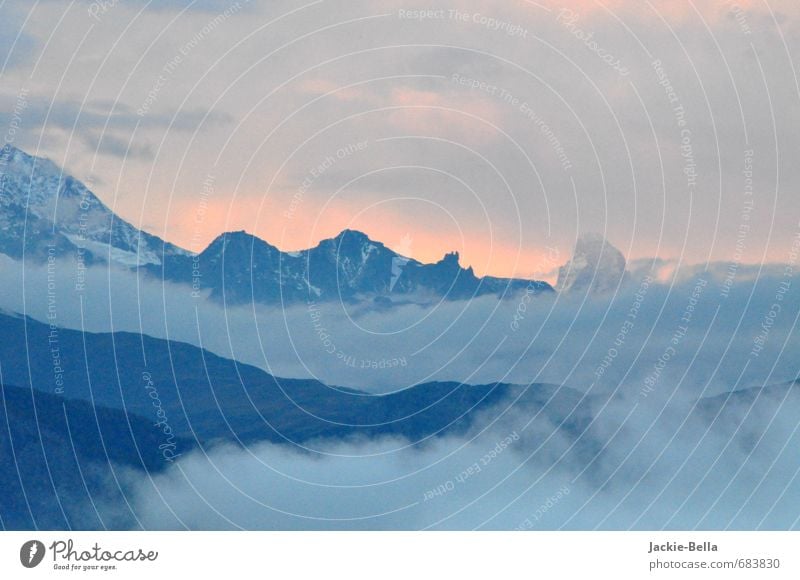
{"x":596,"y":267}
{"x":238,"y":267}
{"x":195,"y":394}
{"x":62,"y":459}
{"x":754,"y":403}
{"x":44,"y":212}
{"x":88,"y":407}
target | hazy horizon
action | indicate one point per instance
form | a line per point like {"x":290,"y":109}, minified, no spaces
{"x":494,"y":131}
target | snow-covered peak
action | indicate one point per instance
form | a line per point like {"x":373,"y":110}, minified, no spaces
{"x":29,"y":181}
{"x":239,"y":245}
{"x":16,"y":160}
{"x":596,"y":266}
{"x":33,"y":188}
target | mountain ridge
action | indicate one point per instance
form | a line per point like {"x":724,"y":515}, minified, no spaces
{"x":46,"y":214}
{"x":596,"y":267}
{"x":39,"y":198}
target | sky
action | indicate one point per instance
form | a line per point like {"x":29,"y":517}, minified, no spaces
{"x":502,"y":132}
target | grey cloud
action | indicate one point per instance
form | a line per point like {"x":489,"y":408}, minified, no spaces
{"x":105,"y":127}
{"x":624,"y":154}
{"x":16,"y":45}
{"x":106,"y":143}
{"x":176,"y":5}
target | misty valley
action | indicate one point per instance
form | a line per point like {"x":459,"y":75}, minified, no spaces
{"x":349,"y":386}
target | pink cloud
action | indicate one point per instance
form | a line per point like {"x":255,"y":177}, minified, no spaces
{"x":673,"y":10}
{"x":467,"y":120}
{"x":332,"y":89}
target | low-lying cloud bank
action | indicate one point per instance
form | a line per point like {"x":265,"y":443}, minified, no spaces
{"x":642,"y":464}
{"x":648,"y":457}
{"x":704,"y":327}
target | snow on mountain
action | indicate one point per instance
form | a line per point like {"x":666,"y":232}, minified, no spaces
{"x":44,"y":211}
{"x":238,"y":267}
{"x":596,"y":266}
{"x":40,"y":205}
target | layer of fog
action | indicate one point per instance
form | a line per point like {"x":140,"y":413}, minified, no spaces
{"x":646,"y":463}
{"x":732,"y":335}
